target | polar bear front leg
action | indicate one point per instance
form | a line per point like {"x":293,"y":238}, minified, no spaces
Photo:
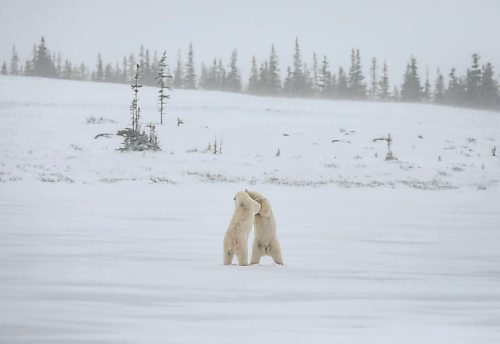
{"x":242,"y":255}
{"x":257,"y":252}
{"x":275,"y":252}
{"x":228,"y":257}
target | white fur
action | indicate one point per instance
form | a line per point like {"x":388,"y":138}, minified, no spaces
{"x":236,"y":238}
{"x":265,"y":241}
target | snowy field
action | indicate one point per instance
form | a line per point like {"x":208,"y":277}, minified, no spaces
{"x":98,"y":245}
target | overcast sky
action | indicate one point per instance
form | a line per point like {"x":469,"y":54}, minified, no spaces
{"x":438,"y":32}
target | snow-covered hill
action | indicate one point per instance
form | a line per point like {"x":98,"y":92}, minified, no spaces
{"x":99,"y":246}
{"x":44,"y":136}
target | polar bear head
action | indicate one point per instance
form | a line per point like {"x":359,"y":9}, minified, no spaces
{"x":243,"y":200}
{"x":265,"y":209}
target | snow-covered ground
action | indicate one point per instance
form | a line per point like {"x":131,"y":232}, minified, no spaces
{"x":98,"y":245}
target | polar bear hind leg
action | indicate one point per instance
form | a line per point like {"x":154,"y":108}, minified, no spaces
{"x":228,"y":256}
{"x":242,"y":255}
{"x":257,"y":252}
{"x":275,"y":252}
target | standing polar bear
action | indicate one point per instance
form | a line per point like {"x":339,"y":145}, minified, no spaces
{"x":265,"y":241}
{"x":236,"y":238}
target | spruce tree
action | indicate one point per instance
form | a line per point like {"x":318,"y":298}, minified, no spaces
{"x":297,"y":87}
{"x":396,"y":96}
{"x":14,"y":62}
{"x":190,"y":77}
{"x":162,"y":79}
{"x":43,"y":65}
{"x":67,"y":70}
{"x":411,"y":91}
{"x":125,"y":76}
{"x":374,"y":79}
{"x":426,"y":94}
{"x":99,"y":73}
{"x":233,"y":82}
{"x":179,"y":72}
{"x":384,"y":92}
{"x":342,"y":84}
{"x":325,"y":89}
{"x":83,"y":72}
{"x":264,"y":78}
{"x":439,"y":90}
{"x":357,"y":88}
{"x":274,"y":73}
{"x":109,"y":75}
{"x":456,"y":93}
{"x":473,"y":81}
{"x":131,"y":64}
{"x":253,"y":81}
{"x":287,"y":84}
{"x":204,"y":80}
{"x":220,"y":76}
{"x":488,"y":90}
{"x":4,"y":69}
{"x":59,"y":65}
{"x":315,"y":75}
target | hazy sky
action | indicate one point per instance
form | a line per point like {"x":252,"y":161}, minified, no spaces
{"x":439,"y":32}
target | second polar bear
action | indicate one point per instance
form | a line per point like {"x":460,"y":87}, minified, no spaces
{"x":236,"y":238}
{"x":265,"y":241}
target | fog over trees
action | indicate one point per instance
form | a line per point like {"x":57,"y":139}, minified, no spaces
{"x":478,"y":88}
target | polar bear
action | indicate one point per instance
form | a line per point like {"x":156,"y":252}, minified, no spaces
{"x":236,"y":238}
{"x":265,"y":242}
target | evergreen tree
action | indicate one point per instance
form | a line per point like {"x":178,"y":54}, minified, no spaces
{"x":488,"y":90}
{"x":411,"y":91}
{"x":456,"y":93}
{"x":253,"y":81}
{"x":308,"y":82}
{"x":179,"y":72}
{"x":43,"y":65}
{"x":426,"y":94}
{"x":287,"y":84}
{"x":325,"y":89}
{"x":473,"y":81}
{"x":439,"y":88}
{"x":117,"y":77}
{"x":190,"y":77}
{"x":384,"y":92}
{"x":220,"y":79}
{"x":124,"y":78}
{"x":148,"y":77}
{"x":162,"y":80}
{"x":14,"y":62}
{"x":274,"y":73}
{"x":204,"y":79}
{"x":4,"y":69}
{"x":342,"y":84}
{"x":264,"y":78}
{"x":315,"y":75}
{"x":233,"y":82}
{"x":374,"y":79}
{"x":59,"y":65}
{"x":396,"y":96}
{"x":357,"y":88}
{"x":297,"y":83}
{"x":108,"y":73}
{"x":131,"y":64}
{"x":67,"y":72}
{"x":83,"y":72}
{"x":99,"y":73}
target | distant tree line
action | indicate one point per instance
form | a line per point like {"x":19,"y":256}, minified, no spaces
{"x":478,"y":88}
